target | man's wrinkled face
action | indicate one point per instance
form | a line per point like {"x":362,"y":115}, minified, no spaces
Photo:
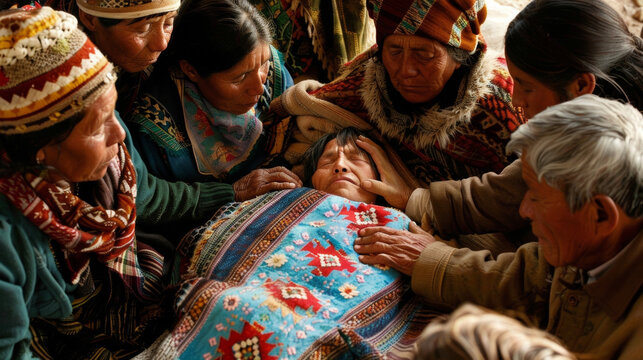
{"x":566,"y":237}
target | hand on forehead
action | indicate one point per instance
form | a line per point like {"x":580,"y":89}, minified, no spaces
{"x":341,"y":171}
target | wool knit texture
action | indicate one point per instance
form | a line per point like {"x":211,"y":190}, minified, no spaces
{"x":451,"y":22}
{"x":49,"y":70}
{"x":127,"y":9}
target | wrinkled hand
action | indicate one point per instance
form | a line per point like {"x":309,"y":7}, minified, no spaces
{"x":398,"y":249}
{"x":391,"y":185}
{"x":261,"y":181}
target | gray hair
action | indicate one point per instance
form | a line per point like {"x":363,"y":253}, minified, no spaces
{"x":472,"y":332}
{"x":585,"y":147}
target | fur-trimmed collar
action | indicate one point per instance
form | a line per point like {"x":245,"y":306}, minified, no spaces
{"x":436,"y":123}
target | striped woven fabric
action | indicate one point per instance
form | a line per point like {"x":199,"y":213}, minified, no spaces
{"x":277,"y":277}
{"x":454,"y":23}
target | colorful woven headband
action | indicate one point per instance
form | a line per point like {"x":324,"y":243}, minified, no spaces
{"x":127,"y":9}
{"x":451,"y":22}
{"x":49,"y":69}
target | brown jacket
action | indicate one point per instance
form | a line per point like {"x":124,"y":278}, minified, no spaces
{"x":601,"y":320}
{"x":474,"y":205}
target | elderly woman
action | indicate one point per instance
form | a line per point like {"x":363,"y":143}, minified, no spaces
{"x":552,"y":49}
{"x":584,"y":173}
{"x":199,"y":117}
{"x":72,"y":186}
{"x":429,"y":88}
{"x":133,"y":35}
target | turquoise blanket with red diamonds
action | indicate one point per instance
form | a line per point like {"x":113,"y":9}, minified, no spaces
{"x":277,"y":278}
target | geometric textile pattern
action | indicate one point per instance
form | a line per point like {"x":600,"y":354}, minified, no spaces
{"x":277,"y":277}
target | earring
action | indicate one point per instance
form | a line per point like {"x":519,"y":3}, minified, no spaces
{"x":40,"y":157}
{"x":44,"y":172}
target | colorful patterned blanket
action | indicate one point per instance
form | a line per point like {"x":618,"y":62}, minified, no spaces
{"x":318,"y":33}
{"x":277,"y":278}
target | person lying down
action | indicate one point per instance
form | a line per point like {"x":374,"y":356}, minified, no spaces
{"x":276,"y":277}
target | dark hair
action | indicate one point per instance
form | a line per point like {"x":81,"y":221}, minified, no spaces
{"x":214,"y":35}
{"x":345,"y":136}
{"x":22,"y":148}
{"x":7,"y":4}
{"x":556,"y":40}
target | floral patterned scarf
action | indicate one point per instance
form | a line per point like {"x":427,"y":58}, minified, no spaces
{"x":223,"y":143}
{"x":81,"y":230}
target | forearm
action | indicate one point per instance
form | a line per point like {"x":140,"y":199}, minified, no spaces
{"x":475,"y":205}
{"x":177,"y":202}
{"x":448,"y":276}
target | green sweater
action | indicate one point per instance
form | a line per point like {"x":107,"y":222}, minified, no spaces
{"x":31,"y":284}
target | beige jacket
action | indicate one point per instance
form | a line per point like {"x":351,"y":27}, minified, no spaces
{"x":601,"y":320}
{"x":475,"y":205}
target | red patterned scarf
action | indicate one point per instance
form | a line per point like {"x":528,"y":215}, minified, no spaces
{"x":81,"y":229}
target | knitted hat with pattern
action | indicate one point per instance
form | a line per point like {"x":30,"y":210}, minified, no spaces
{"x":127,"y":9}
{"x":49,"y":69}
{"x":451,"y":22}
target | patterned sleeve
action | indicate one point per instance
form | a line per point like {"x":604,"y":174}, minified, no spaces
{"x":277,"y":81}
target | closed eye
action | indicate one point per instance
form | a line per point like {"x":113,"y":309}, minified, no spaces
{"x":240,"y":78}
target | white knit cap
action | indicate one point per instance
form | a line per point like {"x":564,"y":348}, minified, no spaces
{"x":127,"y":9}
{"x":49,"y":69}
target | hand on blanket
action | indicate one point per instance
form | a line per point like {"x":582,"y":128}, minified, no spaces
{"x":391,"y":185}
{"x":398,"y":249}
{"x":261,"y":181}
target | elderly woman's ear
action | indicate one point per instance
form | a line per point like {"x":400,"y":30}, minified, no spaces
{"x":391,"y":186}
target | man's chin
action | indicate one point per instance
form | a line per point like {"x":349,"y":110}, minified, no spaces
{"x":552,"y":259}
